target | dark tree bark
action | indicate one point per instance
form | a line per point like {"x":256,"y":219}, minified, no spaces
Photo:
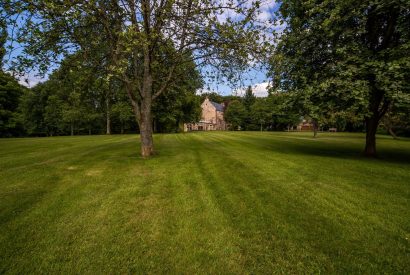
{"x":380,"y":29}
{"x":147,"y":147}
{"x":371,"y":129}
{"x":378,"y":107}
{"x":392,"y":133}
{"x":315,"y":127}
{"x":142,"y":109}
{"x":146,"y":129}
{"x":388,"y":125}
{"x":108,"y":115}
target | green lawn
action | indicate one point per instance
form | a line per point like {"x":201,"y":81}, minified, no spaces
{"x":221,"y":202}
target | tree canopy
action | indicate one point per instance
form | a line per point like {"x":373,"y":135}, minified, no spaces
{"x":145,"y":42}
{"x":345,"y":57}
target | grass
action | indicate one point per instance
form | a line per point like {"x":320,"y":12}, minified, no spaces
{"x":219,"y":202}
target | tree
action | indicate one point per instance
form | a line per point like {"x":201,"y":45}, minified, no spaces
{"x":248,"y":98}
{"x":10,"y":93}
{"x":53,"y":115}
{"x":260,"y":113}
{"x":179,"y":104}
{"x":235,"y":115}
{"x":142,"y":38}
{"x":3,"y":39}
{"x":73,"y":113}
{"x":284,"y":112}
{"x":123,"y":112}
{"x":396,"y":121}
{"x":212,"y":96}
{"x":345,"y":56}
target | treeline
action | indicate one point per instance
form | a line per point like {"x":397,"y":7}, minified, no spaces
{"x":283,"y":111}
{"x":270,"y":113}
{"x":79,"y":100}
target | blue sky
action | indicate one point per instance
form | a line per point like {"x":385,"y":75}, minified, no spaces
{"x":256,"y":78}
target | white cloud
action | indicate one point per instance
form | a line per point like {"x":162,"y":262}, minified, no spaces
{"x":205,"y":91}
{"x":259,"y":90}
{"x":29,"y":80}
{"x":267,"y":10}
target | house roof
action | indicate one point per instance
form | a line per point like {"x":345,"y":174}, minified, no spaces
{"x":218,"y":107}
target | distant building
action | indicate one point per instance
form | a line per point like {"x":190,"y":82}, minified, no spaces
{"x":212,"y":118}
{"x":305,"y":125}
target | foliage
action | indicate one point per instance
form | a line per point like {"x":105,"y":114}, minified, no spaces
{"x":53,"y":115}
{"x":396,"y":120}
{"x":344,"y":57}
{"x":275,"y":112}
{"x":3,"y":38}
{"x":212,"y":96}
{"x":235,"y":115}
{"x":248,"y":98}
{"x":145,"y":42}
{"x":10,"y":93}
{"x":122,"y":110}
{"x":260,"y":113}
{"x":76,"y":99}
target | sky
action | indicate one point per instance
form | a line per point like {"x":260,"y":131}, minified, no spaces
{"x":259,"y":84}
{"x":256,"y":78}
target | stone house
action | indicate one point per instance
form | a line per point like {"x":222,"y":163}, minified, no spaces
{"x":305,"y":125}
{"x":212,"y":118}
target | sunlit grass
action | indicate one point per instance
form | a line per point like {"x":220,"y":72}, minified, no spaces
{"x":219,"y":202}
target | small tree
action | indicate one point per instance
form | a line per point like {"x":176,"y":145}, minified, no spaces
{"x":10,"y":93}
{"x":248,"y":98}
{"x":235,"y":115}
{"x":260,"y":113}
{"x":53,"y":115}
{"x":73,"y":112}
{"x":123,"y":112}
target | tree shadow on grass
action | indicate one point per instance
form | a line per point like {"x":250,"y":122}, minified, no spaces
{"x":344,"y":151}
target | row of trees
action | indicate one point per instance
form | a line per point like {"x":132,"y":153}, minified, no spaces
{"x":64,"y":106}
{"x":281,"y":111}
{"x":252,"y":113}
{"x":76,"y":99}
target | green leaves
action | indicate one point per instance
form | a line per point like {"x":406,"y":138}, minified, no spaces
{"x":336,"y":52}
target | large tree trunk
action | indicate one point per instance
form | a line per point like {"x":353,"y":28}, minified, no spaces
{"x":108,"y":115}
{"x":72,"y":129}
{"x":378,"y":107}
{"x":145,"y":121}
{"x":315,"y":127}
{"x":146,"y":129}
{"x":371,"y":129}
{"x":143,"y":116}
